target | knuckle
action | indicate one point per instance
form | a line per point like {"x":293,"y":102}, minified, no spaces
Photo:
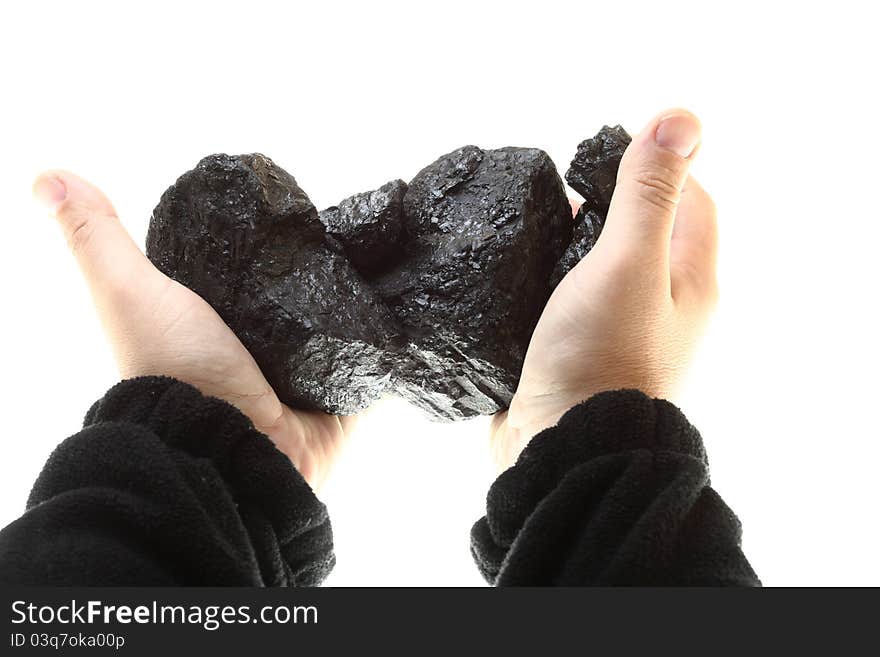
{"x":80,"y":231}
{"x":77,"y":222}
{"x":658,"y":187}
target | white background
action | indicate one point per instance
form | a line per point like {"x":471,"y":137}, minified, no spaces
{"x":347,"y":97}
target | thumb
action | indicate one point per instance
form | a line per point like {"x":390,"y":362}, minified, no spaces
{"x":650,"y":179}
{"x":108,"y":257}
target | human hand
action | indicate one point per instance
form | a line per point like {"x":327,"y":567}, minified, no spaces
{"x":157,"y":326}
{"x":629,"y":315}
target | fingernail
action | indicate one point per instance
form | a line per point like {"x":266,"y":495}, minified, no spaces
{"x":50,"y":191}
{"x":679,"y":134}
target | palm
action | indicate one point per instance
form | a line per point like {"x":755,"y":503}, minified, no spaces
{"x":193,"y":344}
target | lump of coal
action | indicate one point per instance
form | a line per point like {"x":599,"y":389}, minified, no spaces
{"x":430,"y":289}
{"x":587,"y":226}
{"x":593,"y":174}
{"x":241,"y":233}
{"x":367,"y":225}
{"x":593,"y":171}
{"x":483,"y":231}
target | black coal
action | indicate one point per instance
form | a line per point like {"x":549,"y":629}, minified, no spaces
{"x":430,"y":290}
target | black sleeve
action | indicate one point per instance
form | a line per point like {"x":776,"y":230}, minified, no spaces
{"x":616,"y":494}
{"x":164,"y":486}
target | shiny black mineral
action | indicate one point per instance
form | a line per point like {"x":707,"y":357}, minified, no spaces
{"x":483,"y":231}
{"x":240,"y":232}
{"x":593,"y":170}
{"x":430,"y":290}
{"x":593,"y":174}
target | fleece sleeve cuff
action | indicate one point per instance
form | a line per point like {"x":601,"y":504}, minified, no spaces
{"x":616,"y":493}
{"x":153,"y":435}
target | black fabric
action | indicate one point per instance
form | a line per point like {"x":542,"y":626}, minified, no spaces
{"x":164,"y":486}
{"x":617,"y":493}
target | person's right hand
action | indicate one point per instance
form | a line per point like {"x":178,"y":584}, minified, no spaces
{"x":156,"y":326}
{"x":629,"y":315}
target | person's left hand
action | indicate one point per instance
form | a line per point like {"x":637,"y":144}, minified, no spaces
{"x":631,"y":312}
{"x":157,"y":326}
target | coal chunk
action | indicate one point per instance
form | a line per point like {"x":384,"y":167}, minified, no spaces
{"x":593,"y":171}
{"x":368,"y":225}
{"x":429,"y":289}
{"x":587,"y":227}
{"x":240,"y":232}
{"x":484,"y":230}
{"x":593,"y":174}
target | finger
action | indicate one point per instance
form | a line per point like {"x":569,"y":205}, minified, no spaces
{"x":650,"y":179}
{"x":106,"y":254}
{"x":694,"y":247}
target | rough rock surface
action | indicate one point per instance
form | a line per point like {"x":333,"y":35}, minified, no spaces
{"x":593,"y":174}
{"x":593,"y":171}
{"x":587,"y":227}
{"x":241,"y":233}
{"x":430,"y":289}
{"x":484,"y":229}
{"x":367,"y":225}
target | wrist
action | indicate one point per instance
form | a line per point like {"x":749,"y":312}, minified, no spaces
{"x":529,"y":415}
{"x":512,"y":429}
